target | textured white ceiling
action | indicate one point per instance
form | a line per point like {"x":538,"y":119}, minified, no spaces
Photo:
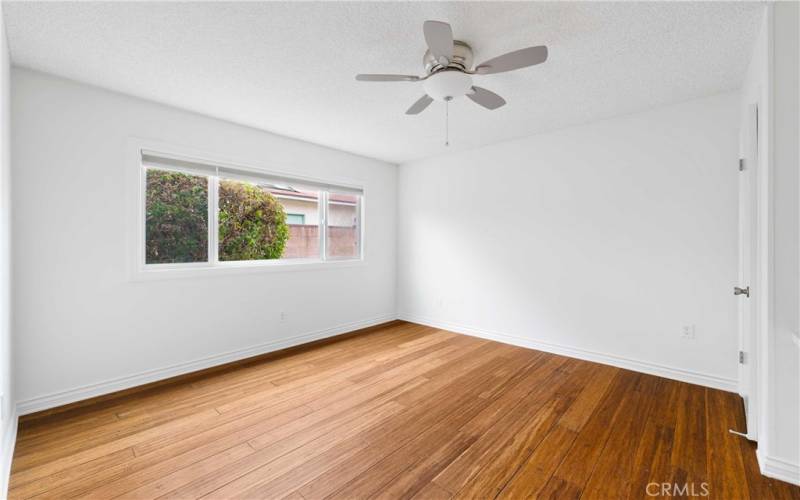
{"x":289,"y":67}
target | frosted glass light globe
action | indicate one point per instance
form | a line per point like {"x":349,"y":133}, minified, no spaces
{"x":447,"y":84}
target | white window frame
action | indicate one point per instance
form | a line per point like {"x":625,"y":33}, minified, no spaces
{"x":141,"y":271}
{"x":359,"y":204}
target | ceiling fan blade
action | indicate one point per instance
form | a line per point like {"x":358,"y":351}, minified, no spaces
{"x":420,"y":105}
{"x":486,"y":98}
{"x":439,"y":37}
{"x":521,"y":58}
{"x":387,"y":78}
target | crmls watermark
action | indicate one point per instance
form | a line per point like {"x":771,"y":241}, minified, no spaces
{"x":677,"y":489}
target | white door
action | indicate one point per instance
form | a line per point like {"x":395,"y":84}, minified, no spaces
{"x":748,"y":166}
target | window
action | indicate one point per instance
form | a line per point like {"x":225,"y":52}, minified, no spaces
{"x":303,"y":237}
{"x":198,"y":214}
{"x":176,"y":220}
{"x":343,"y":230}
{"x":295,"y":219}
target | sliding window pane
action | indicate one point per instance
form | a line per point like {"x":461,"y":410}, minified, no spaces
{"x":176,"y":218}
{"x":260,"y":222}
{"x":302,"y":209}
{"x":343,"y":223}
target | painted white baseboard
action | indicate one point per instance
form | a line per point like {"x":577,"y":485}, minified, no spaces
{"x":98,"y":389}
{"x":692,"y":377}
{"x":779,"y":469}
{"x":9,"y":441}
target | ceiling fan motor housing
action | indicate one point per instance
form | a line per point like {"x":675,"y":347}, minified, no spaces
{"x":462,"y":58}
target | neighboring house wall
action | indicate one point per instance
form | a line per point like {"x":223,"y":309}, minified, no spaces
{"x":309,"y":209}
{"x":341,"y":215}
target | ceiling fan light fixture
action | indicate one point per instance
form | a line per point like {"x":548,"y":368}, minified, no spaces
{"x":448,"y":84}
{"x":448,"y":75}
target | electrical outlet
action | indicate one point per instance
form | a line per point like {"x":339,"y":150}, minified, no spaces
{"x":283,"y":316}
{"x":687,"y":332}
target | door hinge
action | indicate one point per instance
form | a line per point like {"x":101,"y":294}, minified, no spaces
{"x":741,"y":357}
{"x":741,"y":164}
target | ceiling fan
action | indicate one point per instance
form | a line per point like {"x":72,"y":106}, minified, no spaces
{"x":447,"y":69}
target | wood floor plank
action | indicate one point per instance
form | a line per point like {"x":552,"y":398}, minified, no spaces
{"x":235,"y":424}
{"x":50,"y":484}
{"x":140,"y":470}
{"x":614,"y":470}
{"x":432,"y":491}
{"x":725,"y":467}
{"x":652,"y":462}
{"x":594,"y":388}
{"x":503,"y":459}
{"x":401,"y":411}
{"x":182,"y":476}
{"x":152,"y":408}
{"x":691,"y":433}
{"x":540,"y":464}
{"x":271,"y":462}
{"x":270,"y":431}
{"x":439,"y":423}
{"x":51,"y":462}
{"x":424,"y":447}
{"x":455,"y":401}
{"x":572,"y":474}
{"x":246,"y":371}
{"x":514,"y":422}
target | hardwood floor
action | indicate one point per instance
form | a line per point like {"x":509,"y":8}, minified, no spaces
{"x":403,"y":411}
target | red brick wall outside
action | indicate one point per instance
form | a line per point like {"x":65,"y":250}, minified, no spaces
{"x":304,"y":242}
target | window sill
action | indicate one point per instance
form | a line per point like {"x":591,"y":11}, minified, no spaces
{"x":151,"y":273}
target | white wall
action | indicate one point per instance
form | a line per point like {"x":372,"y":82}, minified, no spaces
{"x":81,"y":327}
{"x":772,"y":82}
{"x":783,"y":415}
{"x":8,"y":420}
{"x":600,"y":241}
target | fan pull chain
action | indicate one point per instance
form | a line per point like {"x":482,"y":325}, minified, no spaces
{"x":447,"y":121}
